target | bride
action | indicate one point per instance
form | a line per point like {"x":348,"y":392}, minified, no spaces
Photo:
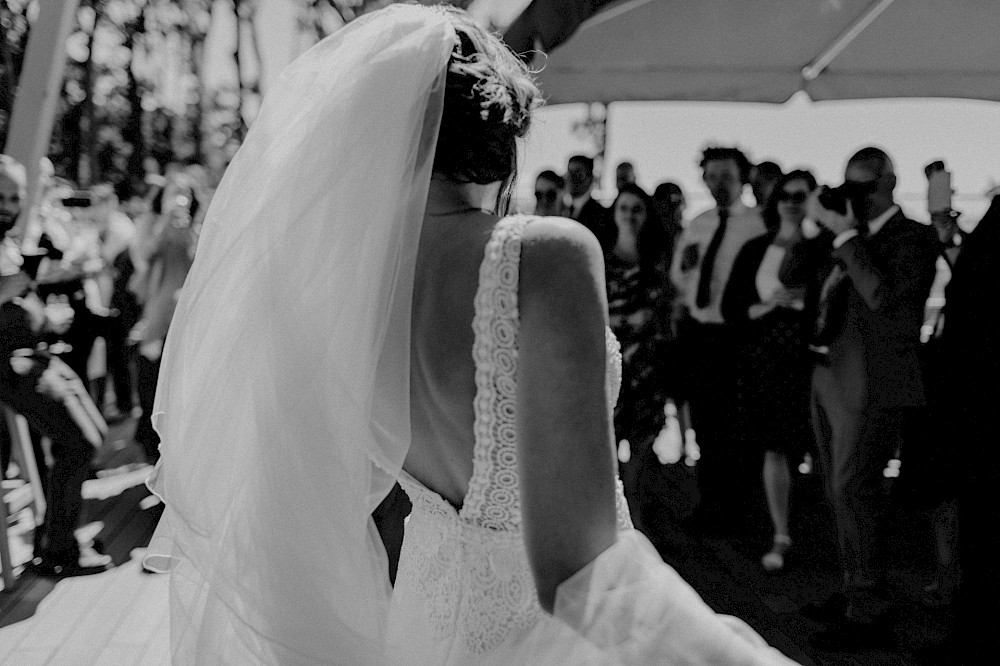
{"x":359,"y":312}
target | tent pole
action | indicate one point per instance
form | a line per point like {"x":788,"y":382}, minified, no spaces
{"x":816,"y":67}
{"x":38,"y":91}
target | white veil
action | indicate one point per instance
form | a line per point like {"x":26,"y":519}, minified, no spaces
{"x":283,"y":403}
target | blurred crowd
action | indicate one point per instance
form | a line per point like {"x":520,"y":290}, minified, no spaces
{"x":788,"y":330}
{"x":88,"y":285}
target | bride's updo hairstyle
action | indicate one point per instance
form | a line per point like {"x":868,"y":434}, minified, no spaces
{"x":489,"y":97}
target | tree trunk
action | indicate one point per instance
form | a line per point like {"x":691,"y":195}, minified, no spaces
{"x":8,"y":80}
{"x":132,"y":132}
{"x":85,"y":172}
{"x":197,"y":122}
{"x":241,"y":126}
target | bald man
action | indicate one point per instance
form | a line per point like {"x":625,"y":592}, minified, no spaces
{"x":867,"y":378}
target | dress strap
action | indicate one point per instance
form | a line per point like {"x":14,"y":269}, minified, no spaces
{"x":492,"y":500}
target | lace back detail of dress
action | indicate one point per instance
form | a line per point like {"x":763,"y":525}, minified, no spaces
{"x":470,"y":567}
{"x":492,"y":499}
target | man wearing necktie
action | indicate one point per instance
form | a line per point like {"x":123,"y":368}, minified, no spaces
{"x":867,"y":380}
{"x":700,"y":270}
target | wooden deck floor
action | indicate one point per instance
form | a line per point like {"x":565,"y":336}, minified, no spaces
{"x":119,"y":618}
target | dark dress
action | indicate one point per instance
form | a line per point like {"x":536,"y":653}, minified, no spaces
{"x":639,"y":412}
{"x":658,"y":495}
{"x":774,"y":365}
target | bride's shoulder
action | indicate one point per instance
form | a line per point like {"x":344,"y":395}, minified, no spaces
{"x":558,"y":244}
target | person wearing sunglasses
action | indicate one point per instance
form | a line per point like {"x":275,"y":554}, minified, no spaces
{"x":548,"y":194}
{"x":766,"y":296}
{"x":867,"y":383}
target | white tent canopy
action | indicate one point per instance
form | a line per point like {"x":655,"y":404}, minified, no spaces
{"x":766,"y":50}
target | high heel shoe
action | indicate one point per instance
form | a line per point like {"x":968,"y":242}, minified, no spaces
{"x":774,"y":560}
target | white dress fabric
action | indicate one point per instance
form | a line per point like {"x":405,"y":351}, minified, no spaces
{"x":283,"y":398}
{"x":464,"y":591}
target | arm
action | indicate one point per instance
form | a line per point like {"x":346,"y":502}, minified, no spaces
{"x":565,"y":450}
{"x":907,"y":275}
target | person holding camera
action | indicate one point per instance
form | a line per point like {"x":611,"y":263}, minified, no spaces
{"x":51,"y":397}
{"x":867,"y":376}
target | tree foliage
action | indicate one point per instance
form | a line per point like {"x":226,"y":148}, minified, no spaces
{"x":134,"y":96}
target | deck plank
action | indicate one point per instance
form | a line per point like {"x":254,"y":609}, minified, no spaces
{"x":120,"y":588}
{"x":39,"y":594}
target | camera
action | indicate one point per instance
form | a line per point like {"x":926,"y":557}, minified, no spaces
{"x":834,"y":198}
{"x":80,"y":199}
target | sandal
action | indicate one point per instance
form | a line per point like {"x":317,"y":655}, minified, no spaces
{"x":774,"y":560}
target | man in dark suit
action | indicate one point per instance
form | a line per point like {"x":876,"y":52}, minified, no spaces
{"x":867,"y":378}
{"x":582,"y":207}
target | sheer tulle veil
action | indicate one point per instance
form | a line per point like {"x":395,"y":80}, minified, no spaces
{"x":283,"y":396}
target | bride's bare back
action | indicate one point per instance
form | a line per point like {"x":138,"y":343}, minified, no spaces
{"x":442,"y":371}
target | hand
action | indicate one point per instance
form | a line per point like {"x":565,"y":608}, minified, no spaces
{"x":830,"y":219}
{"x":54,"y":384}
{"x":788,"y":298}
{"x":640,"y":318}
{"x":35,"y":309}
{"x":946,"y":225}
{"x":138,"y":332}
{"x":58,"y":317}
{"x":12,"y":286}
{"x":58,"y":381}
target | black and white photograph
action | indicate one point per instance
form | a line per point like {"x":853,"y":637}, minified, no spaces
{"x":499,"y":332}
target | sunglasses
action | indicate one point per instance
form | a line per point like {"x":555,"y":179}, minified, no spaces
{"x":546,"y":195}
{"x":793,"y":197}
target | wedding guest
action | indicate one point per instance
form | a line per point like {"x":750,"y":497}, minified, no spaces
{"x":767,"y":293}
{"x":668,"y":198}
{"x":116,"y":234}
{"x":638,"y":311}
{"x":45,"y":391}
{"x":867,"y":381}
{"x":700,"y":271}
{"x":170,"y":255}
{"x":581,"y":205}
{"x":764,"y":176}
{"x":549,"y":187}
{"x":624,"y":175}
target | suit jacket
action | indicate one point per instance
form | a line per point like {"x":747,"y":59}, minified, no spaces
{"x":16,"y":333}
{"x":598,"y":219}
{"x":874,"y":353}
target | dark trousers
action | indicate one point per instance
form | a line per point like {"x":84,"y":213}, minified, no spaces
{"x":710,"y":384}
{"x":147,"y":372}
{"x":120,"y":367}
{"x":854,"y":445}
{"x":71,"y":453}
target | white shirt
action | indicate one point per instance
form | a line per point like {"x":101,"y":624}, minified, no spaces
{"x":767,"y":274}
{"x":10,"y":258}
{"x":744,"y":223}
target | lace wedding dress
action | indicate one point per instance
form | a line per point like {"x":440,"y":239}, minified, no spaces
{"x":464,"y":592}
